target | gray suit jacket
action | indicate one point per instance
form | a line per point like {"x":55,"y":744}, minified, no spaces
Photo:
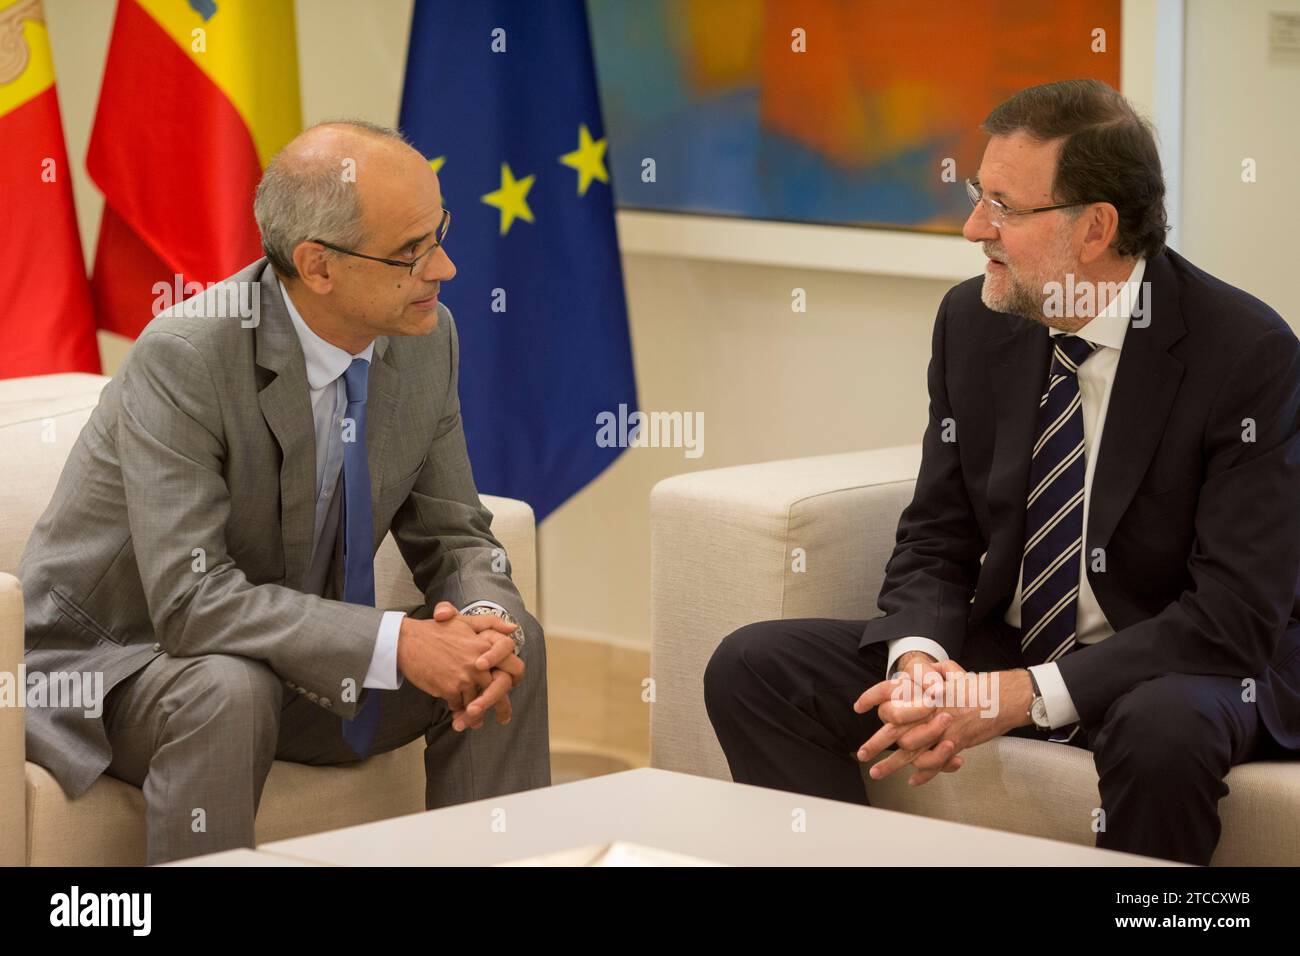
{"x":205,"y":440}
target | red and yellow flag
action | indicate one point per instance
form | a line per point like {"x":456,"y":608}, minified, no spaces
{"x":197,"y":97}
{"x":46,"y":323}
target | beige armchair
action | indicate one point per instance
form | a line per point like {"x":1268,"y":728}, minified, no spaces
{"x":723,"y":554}
{"x":40,"y":418}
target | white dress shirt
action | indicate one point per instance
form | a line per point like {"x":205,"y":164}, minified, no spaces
{"x":1096,"y":376}
{"x":326,"y":364}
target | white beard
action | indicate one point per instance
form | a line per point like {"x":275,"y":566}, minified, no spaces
{"x":1021,"y":294}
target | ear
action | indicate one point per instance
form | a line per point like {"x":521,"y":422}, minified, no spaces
{"x":313,"y":263}
{"x":1100,"y":222}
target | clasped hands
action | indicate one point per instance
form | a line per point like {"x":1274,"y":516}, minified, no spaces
{"x":467,"y":661}
{"x":930,"y":723}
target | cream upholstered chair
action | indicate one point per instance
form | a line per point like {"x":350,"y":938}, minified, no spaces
{"x":40,"y":418}
{"x":721,"y":557}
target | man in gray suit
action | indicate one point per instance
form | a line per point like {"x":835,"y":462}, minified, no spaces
{"x":209,"y":548}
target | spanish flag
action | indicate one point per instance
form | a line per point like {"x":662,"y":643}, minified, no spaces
{"x":46,"y":324}
{"x":197,"y":97}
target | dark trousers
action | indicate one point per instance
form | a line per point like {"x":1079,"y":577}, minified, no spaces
{"x":780,"y":696}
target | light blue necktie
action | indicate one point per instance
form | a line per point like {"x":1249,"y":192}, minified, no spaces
{"x":1054,"y":517}
{"x":358,"y":536}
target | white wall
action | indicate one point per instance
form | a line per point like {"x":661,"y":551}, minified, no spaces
{"x":720,"y":338}
{"x":1239,"y":104}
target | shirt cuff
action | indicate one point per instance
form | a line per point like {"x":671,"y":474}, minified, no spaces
{"x":1060,"y":706}
{"x":901,"y":645}
{"x":383,"y":664}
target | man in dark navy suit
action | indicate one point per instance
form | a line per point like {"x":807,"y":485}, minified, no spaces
{"x":1106,"y":519}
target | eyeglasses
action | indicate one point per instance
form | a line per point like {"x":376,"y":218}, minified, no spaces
{"x":999,"y":211}
{"x":440,"y":236}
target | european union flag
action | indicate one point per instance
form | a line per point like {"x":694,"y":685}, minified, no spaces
{"x":501,"y":97}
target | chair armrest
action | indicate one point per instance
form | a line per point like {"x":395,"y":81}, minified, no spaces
{"x":514,"y":526}
{"x":723,"y":554}
{"x":13,"y":751}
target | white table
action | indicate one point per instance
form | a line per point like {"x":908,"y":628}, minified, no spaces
{"x":713,"y":820}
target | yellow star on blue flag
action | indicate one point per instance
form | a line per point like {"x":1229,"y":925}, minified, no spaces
{"x":588,"y":159}
{"x":511,"y":198}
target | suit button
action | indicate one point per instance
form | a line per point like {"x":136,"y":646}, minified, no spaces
{"x":325,"y":702}
{"x":313,"y":696}
{"x":301,"y":690}
{"x":289,"y":684}
{"x":157,"y":647}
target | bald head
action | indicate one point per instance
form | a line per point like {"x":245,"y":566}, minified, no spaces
{"x":336,"y":182}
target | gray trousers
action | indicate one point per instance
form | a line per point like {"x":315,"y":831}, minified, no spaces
{"x":200,"y":734}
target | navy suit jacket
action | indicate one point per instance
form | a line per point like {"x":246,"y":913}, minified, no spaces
{"x":1195,"y":498}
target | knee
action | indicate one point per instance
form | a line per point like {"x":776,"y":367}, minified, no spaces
{"x":1162,"y":727}
{"x":220,"y":688}
{"x":739,"y":656}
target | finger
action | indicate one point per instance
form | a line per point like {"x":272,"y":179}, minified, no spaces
{"x":935,"y":758}
{"x":444,"y":611}
{"x":502,"y":648}
{"x":924,"y":776}
{"x":504,"y":711}
{"x":490,"y":697}
{"x":476,"y":683}
{"x":514,"y":666}
{"x":904,"y":712}
{"x":489,"y":622}
{"x":925,"y":735}
{"x":895,"y":761}
{"x":879,"y":742}
{"x":461,"y":721}
{"x":905,"y":704}
{"x":878,"y":693}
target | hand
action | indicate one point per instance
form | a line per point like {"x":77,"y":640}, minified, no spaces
{"x":981,"y":716}
{"x":468,"y":662}
{"x":908,"y":724}
{"x":500,"y":660}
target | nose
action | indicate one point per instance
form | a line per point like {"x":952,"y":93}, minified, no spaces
{"x":439,"y":266}
{"x":977,"y":227}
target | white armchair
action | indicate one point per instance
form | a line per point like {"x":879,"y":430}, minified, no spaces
{"x":723,"y":555}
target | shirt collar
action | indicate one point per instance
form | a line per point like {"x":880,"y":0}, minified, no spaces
{"x":1107,"y":328}
{"x":325,"y":362}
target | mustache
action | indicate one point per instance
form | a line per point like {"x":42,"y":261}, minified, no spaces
{"x":994,"y":253}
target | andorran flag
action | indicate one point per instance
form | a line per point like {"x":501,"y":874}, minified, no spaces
{"x":197,"y":96}
{"x":46,"y":323}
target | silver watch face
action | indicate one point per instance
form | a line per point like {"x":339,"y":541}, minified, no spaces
{"x":1039,"y":712}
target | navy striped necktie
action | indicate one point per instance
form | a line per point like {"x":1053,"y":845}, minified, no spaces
{"x":1054,"y":512}
{"x":1049,"y":597}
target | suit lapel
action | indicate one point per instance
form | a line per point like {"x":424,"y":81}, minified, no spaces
{"x":381,"y":407}
{"x":1018,"y":364}
{"x":1146,"y":383}
{"x":286,"y":406}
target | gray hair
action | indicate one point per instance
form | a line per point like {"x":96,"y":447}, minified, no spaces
{"x":304,"y":201}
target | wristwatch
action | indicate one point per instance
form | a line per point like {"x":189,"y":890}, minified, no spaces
{"x":517,"y":635}
{"x":1038,"y":708}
